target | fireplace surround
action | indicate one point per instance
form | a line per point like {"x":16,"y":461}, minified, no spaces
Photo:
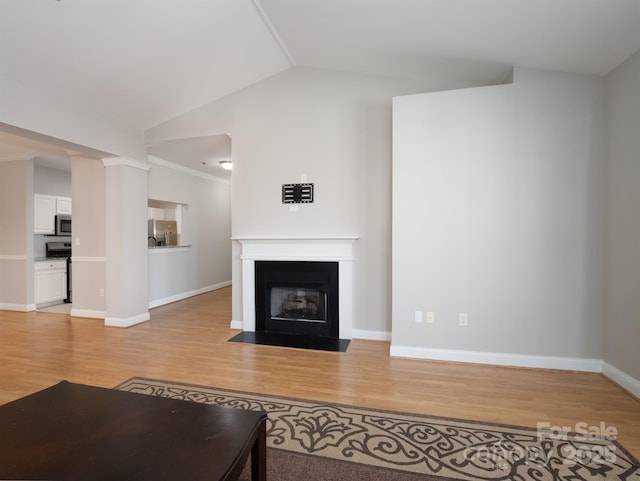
{"x":337,"y":250}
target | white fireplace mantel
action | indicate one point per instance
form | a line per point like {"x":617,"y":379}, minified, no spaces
{"x":315,"y":249}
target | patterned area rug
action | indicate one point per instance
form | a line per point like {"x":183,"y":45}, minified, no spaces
{"x":436,"y":447}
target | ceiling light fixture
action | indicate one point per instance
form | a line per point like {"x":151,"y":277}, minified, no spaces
{"x":226,"y":164}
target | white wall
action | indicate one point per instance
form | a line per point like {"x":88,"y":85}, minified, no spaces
{"x":336,"y":128}
{"x":206,"y":264}
{"x":498,"y":213}
{"x":622,"y":313}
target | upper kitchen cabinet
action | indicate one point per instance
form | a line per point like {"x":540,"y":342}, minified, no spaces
{"x":45,"y":208}
{"x":44,"y":211}
{"x":63,"y":205}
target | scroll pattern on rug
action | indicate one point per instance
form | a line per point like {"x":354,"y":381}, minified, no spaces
{"x":448,"y":448}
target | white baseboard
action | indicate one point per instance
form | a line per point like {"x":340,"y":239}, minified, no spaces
{"x":127,"y":322}
{"x":93,"y":314}
{"x":622,"y":379}
{"x":500,"y":359}
{"x":236,"y":325}
{"x":184,"y":295}
{"x":17,"y":307}
{"x":371,"y":335}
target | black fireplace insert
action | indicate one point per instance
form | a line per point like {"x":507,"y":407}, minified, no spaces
{"x":297,"y":297}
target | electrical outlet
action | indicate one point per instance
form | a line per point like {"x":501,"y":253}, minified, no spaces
{"x":418,"y":316}
{"x":431,"y":317}
{"x":101,"y":292}
{"x":463,"y":319}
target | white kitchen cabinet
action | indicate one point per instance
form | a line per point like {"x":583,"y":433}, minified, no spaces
{"x":50,"y":281}
{"x":44,"y":211}
{"x":45,"y":208}
{"x":63,"y":205}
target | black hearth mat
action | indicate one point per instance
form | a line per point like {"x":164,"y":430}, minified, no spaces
{"x":291,"y":340}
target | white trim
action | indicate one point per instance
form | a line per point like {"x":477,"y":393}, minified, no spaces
{"x":93,"y":314}
{"x":17,"y":307}
{"x":297,"y":248}
{"x":168,"y":249}
{"x":236,"y":325}
{"x":9,"y":257}
{"x":127,"y":322}
{"x":298,"y":238}
{"x":371,"y":335}
{"x":186,"y":170}
{"x":622,"y":379}
{"x":296,"y":257}
{"x":184,"y":295}
{"x":499,"y":359}
{"x":112,"y":161}
{"x":327,"y":249}
{"x":87,"y":259}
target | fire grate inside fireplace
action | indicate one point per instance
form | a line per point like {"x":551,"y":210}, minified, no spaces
{"x":302,"y":304}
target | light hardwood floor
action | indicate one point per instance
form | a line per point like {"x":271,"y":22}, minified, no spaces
{"x":186,"y":341}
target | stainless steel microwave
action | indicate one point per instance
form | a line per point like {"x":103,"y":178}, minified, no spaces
{"x":63,"y":224}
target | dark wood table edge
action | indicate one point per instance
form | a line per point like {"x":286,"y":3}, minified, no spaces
{"x":257,"y":447}
{"x":259,"y":453}
{"x":256,"y":444}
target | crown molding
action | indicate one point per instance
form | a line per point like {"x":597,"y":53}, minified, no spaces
{"x":112,"y":161}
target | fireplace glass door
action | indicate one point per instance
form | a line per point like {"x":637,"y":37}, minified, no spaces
{"x":297,"y":298}
{"x":300,"y":304}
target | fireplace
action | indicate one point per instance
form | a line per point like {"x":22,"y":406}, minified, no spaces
{"x":311,"y":250}
{"x":297,"y":297}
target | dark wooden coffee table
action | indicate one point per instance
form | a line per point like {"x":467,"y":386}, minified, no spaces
{"x":72,"y":431}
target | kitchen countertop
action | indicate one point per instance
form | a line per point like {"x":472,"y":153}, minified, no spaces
{"x":49,"y":259}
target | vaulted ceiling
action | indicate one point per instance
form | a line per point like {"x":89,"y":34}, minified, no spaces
{"x":142,"y":62}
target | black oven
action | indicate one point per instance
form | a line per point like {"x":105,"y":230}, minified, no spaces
{"x":61,"y":250}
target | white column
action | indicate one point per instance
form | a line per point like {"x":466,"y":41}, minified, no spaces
{"x":16,"y":243}
{"x":127,"y":291}
{"x":89,"y":238}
